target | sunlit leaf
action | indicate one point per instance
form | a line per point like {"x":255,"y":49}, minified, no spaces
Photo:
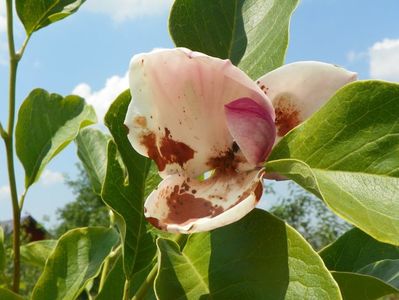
{"x":9,"y":295}
{"x":46,"y":124}
{"x":347,"y":154}
{"x":76,"y":259}
{"x":361,"y":287}
{"x":92,"y":151}
{"x":259,"y":257}
{"x":36,"y":253}
{"x":363,"y":267}
{"x":251,"y":33}
{"x":114,"y":283}
{"x":35,"y":14}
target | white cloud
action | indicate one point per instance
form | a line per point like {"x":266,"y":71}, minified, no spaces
{"x":353,"y":56}
{"x":49,"y":177}
{"x":384,"y":60}
{"x":102,"y":99}
{"x":5,"y":192}
{"x":121,"y":10}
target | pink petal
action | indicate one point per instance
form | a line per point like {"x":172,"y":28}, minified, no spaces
{"x":252,"y":128}
{"x":299,"y":89}
{"x":177,"y":116}
{"x":187,"y":205}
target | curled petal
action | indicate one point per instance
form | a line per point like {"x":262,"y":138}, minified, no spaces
{"x":176,"y":116}
{"x":252,"y":127}
{"x":299,"y":89}
{"x":187,"y":205}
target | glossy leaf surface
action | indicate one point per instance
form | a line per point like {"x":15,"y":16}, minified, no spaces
{"x":347,"y":154}
{"x":47,"y":123}
{"x":258,"y":257}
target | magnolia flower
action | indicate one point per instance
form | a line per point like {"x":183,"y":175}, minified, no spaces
{"x":192,"y":114}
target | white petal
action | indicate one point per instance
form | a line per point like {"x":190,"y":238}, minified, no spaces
{"x":299,"y":89}
{"x":177,"y":116}
{"x":187,"y":205}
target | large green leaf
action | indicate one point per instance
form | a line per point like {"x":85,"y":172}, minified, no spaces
{"x":92,"y":151}
{"x":259,"y":257}
{"x":36,"y":253}
{"x":361,"y":287}
{"x":76,"y":259}
{"x":2,"y":251}
{"x":35,"y":14}
{"x":251,"y":33}
{"x":47,"y":123}
{"x":126,"y":197}
{"x":9,"y":295}
{"x":366,"y":266}
{"x":347,"y":154}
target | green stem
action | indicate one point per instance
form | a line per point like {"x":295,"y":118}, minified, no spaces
{"x":126,"y":290}
{"x":149,"y":281}
{"x":104,"y":273}
{"x":106,"y":265}
{"x":142,"y":291}
{"x":3,"y":133}
{"x":9,"y":143}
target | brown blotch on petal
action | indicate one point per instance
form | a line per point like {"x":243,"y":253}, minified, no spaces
{"x":258,"y":191}
{"x":287,"y":114}
{"x":226,"y":162}
{"x":185,"y":207}
{"x":156,"y":223}
{"x":170,"y":151}
{"x":173,"y":151}
{"x":150,"y":142}
{"x":140,"y":121}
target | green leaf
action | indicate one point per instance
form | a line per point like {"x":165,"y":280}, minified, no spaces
{"x":387,"y":270}
{"x":361,"y":287}
{"x":355,"y":255}
{"x":126,"y":197}
{"x":47,"y":123}
{"x":36,"y":253}
{"x":114,"y":283}
{"x":36,"y":14}
{"x":251,"y":33}
{"x":258,"y":257}
{"x":347,"y":154}
{"x":2,"y":251}
{"x":76,"y":259}
{"x":9,"y":295}
{"x":355,"y":250}
{"x":92,"y":151}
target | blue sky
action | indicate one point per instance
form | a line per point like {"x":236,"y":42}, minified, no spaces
{"x":89,"y":52}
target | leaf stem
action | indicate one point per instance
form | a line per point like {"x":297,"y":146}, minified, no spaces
{"x":126,"y":289}
{"x":104,"y":273}
{"x":142,"y":291}
{"x":9,"y":143}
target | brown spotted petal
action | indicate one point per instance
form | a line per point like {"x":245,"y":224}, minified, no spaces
{"x":186,"y":205}
{"x":299,"y":89}
{"x":177,"y":116}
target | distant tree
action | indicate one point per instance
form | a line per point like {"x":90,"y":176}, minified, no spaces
{"x":310,"y":216}
{"x":86,"y":210}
